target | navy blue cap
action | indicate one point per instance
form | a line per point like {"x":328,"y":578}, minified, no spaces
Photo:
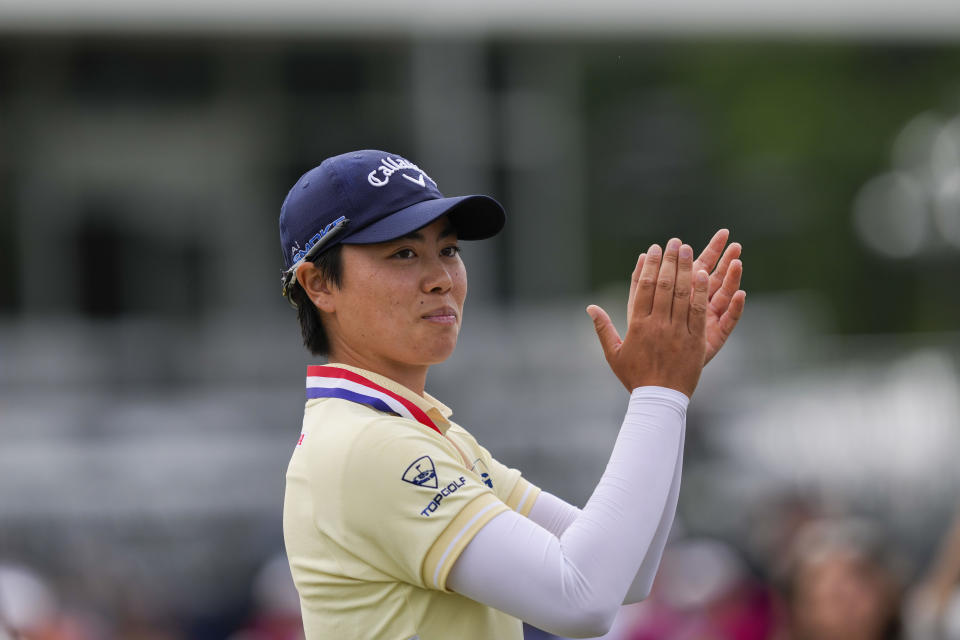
{"x":368,"y":196}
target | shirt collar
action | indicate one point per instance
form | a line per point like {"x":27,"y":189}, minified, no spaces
{"x":436,"y":410}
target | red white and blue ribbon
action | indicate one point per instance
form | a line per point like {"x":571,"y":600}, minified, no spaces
{"x":334,"y":382}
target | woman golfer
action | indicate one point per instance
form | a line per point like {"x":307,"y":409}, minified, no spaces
{"x":397,"y":523}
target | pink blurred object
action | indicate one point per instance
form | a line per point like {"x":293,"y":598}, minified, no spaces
{"x":704,"y":592}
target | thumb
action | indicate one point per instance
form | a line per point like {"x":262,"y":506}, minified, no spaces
{"x":606,"y":332}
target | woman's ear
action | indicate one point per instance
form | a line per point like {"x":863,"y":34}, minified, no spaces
{"x":317,"y":287}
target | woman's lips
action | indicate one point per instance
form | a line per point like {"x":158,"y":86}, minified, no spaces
{"x":443,"y":315}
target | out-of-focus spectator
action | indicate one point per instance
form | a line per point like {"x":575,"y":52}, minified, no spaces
{"x":704,"y":590}
{"x":276,"y":613}
{"x":843,"y":583}
{"x":27,"y":605}
{"x":29,"y":610}
{"x":932,"y":611}
{"x":774,"y":526}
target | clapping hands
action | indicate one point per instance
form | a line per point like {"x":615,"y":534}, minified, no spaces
{"x":680,"y":313}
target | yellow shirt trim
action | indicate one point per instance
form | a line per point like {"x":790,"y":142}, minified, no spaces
{"x":447,"y":548}
{"x":523,"y":496}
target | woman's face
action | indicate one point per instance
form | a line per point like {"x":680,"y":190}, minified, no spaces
{"x":842,"y":596}
{"x":401,"y":301}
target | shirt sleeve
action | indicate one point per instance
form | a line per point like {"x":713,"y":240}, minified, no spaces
{"x":409,"y":506}
{"x":508,"y":484}
{"x":518,"y":493}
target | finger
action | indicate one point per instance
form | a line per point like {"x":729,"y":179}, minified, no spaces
{"x":697,"y":318}
{"x":711,"y":253}
{"x":634,"y":281}
{"x":606,"y":332}
{"x":647,"y":285}
{"x":666,"y":279}
{"x":731,"y":316}
{"x":716,"y":278}
{"x":681,"y":291}
{"x":731,"y":282}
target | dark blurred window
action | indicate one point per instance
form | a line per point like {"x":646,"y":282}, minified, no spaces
{"x":126,"y":271}
{"x":8,"y":240}
{"x":154,"y":72}
{"x":344,"y":95}
{"x":505,"y":285}
{"x":6,"y":61}
{"x":497,"y":67}
{"x":100,"y":290}
{"x":8,"y":246}
{"x":340,"y":69}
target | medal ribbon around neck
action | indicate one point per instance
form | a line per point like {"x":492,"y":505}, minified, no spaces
{"x":333,"y":382}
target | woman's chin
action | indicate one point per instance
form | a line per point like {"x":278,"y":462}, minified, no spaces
{"x":440,"y":352}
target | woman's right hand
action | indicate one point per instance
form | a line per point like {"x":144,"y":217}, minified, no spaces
{"x":665,"y":341}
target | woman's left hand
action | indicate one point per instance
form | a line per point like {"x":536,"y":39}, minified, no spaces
{"x":726,"y":299}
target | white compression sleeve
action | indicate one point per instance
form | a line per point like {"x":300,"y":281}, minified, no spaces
{"x":552,"y":513}
{"x":572,"y":585}
{"x":555,"y":515}
{"x":643,"y":581}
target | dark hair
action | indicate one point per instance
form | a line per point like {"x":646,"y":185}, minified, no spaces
{"x":330,"y":264}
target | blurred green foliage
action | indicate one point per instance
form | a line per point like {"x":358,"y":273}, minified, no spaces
{"x":774,"y":140}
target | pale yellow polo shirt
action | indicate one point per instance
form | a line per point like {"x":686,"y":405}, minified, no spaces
{"x":377,"y":509}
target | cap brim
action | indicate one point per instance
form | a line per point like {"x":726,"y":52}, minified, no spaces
{"x":474,"y":217}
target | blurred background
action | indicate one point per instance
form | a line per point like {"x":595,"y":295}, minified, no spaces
{"x":151,"y":376}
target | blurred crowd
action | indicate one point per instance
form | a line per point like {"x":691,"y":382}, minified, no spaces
{"x":807,"y":575}
{"x":32,"y":609}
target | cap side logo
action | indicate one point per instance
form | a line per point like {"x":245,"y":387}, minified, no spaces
{"x":298,"y":253}
{"x":421,"y":473}
{"x":389,"y":166}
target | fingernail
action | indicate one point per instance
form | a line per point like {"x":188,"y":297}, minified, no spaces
{"x":673,"y":245}
{"x":686,"y":251}
{"x":701,"y":277}
{"x":654,"y":250}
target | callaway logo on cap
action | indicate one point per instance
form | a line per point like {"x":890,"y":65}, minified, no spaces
{"x":369,"y":196}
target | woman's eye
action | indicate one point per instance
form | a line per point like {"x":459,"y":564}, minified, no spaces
{"x":404,"y":253}
{"x":450,"y":252}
